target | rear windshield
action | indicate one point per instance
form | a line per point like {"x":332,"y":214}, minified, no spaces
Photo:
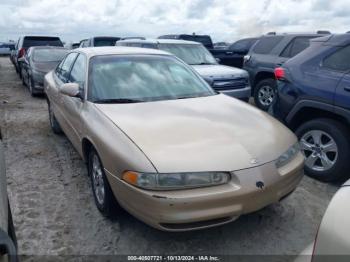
{"x":41,"y":41}
{"x":49,"y":55}
{"x":106,"y":41}
{"x":266,"y":44}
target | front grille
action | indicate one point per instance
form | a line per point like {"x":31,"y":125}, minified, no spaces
{"x":229,"y":84}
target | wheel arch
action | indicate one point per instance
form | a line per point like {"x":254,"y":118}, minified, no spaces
{"x":262,"y":76}
{"x":306,"y":110}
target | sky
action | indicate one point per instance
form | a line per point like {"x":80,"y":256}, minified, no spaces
{"x":224,"y":20}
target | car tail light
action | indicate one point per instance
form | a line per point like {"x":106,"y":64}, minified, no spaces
{"x":280,"y":73}
{"x":21,"y":53}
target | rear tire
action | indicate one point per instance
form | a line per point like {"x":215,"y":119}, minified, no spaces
{"x":103,"y":195}
{"x":55,"y":126}
{"x":265,"y":93}
{"x":326,"y":147}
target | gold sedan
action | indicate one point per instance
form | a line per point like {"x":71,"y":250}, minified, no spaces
{"x":164,"y":145}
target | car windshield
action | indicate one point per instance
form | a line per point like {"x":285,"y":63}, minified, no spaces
{"x":128,"y":79}
{"x":49,"y":55}
{"x":192,"y":54}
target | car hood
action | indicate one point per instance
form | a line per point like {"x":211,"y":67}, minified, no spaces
{"x":216,"y":133}
{"x":219,"y":71}
{"x":44,"y":67}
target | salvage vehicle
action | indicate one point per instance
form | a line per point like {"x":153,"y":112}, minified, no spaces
{"x":227,"y":80}
{"x":8,"y":240}
{"x":205,"y":40}
{"x":158,"y":139}
{"x":99,"y":41}
{"x":314,"y":101}
{"x":233,"y":55}
{"x":36,"y":63}
{"x":25,"y":42}
{"x":269,"y":52}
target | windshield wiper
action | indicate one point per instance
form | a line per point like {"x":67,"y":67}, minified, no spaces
{"x":117,"y":101}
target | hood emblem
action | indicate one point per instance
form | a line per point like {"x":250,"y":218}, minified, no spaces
{"x":254,"y":161}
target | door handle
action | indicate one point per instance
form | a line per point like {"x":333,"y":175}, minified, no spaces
{"x":347,"y":88}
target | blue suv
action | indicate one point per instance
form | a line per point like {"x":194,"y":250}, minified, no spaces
{"x":314,"y":101}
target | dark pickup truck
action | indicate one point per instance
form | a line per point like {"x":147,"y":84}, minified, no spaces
{"x":234,"y":54}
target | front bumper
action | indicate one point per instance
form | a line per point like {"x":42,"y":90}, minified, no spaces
{"x":243,"y":93}
{"x":206,"y":207}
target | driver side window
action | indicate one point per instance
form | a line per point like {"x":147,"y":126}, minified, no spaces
{"x":78,"y":71}
{"x":63,"y":69}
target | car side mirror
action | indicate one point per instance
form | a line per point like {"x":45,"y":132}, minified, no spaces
{"x":70,"y":89}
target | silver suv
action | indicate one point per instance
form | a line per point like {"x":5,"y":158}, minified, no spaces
{"x":224,"y":79}
{"x":8,"y":241}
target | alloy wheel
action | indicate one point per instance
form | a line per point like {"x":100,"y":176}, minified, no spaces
{"x":320,"y":150}
{"x":97,"y":180}
{"x":266,"y":95}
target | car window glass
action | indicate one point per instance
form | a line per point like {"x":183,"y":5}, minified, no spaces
{"x":146,"y":78}
{"x":78,"y":71}
{"x":296,"y":46}
{"x":66,"y":66}
{"x":339,"y":60}
{"x":266,"y":44}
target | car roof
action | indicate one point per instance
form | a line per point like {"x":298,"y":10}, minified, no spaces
{"x":160,"y":41}
{"x":119,"y":50}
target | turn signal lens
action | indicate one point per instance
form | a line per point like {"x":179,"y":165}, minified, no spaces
{"x":130,"y":177}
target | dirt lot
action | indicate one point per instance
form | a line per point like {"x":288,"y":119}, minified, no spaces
{"x":55,"y":214}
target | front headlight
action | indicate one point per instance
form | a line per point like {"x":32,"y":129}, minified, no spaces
{"x":287,"y":156}
{"x":173,"y":181}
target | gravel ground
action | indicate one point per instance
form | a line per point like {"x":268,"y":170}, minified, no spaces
{"x":54,"y":211}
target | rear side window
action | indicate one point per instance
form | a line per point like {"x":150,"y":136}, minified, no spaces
{"x":338,"y":61}
{"x":266,"y":44}
{"x":41,"y":41}
{"x":296,"y":46}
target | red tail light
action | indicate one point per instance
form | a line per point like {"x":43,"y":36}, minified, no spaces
{"x":21,"y":52}
{"x":280,"y":73}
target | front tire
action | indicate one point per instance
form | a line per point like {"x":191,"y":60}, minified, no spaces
{"x":326,"y":147}
{"x":55,"y":126}
{"x":103,"y":195}
{"x":265,"y":93}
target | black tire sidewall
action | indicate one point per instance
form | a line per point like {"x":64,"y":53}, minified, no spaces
{"x":266,"y":82}
{"x":339,"y":133}
{"x":53,"y":121}
{"x":109,"y":202}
